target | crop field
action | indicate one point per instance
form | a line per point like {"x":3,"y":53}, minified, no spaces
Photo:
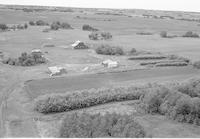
{"x":114,"y":65}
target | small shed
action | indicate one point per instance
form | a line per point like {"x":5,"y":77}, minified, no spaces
{"x":79,"y":45}
{"x":110,"y":64}
{"x":36,"y":51}
{"x":55,"y":71}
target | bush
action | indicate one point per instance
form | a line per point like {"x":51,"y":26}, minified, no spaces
{"x":106,"y":35}
{"x":109,"y":50}
{"x":57,"y":25}
{"x":196,"y":64}
{"x":3,"y":27}
{"x":154,"y":98}
{"x":41,"y":23}
{"x":31,"y":23}
{"x":96,"y":126}
{"x":163,"y":34}
{"x":180,"y":104}
{"x":88,"y":28}
{"x":94,"y":36}
{"x":100,"y":36}
{"x":191,"y":88}
{"x":191,"y":34}
{"x":133,"y":51}
{"x":66,"y":26}
{"x":25,"y":25}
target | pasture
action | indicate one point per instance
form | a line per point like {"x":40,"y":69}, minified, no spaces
{"x":151,"y":62}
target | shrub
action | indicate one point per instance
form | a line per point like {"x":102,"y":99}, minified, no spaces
{"x":94,"y":36}
{"x":55,"y":26}
{"x":154,"y":98}
{"x":106,"y":35}
{"x":100,"y":36}
{"x":32,"y":23}
{"x":20,"y":26}
{"x":109,"y":50}
{"x":196,"y":64}
{"x":41,"y":23}
{"x":133,"y":51}
{"x":191,"y":88}
{"x":3,"y":27}
{"x":191,"y":34}
{"x":66,"y":26}
{"x":25,"y":25}
{"x":163,"y":34}
{"x":96,"y":126}
{"x":88,"y":28}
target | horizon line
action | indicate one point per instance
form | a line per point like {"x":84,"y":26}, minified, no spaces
{"x":100,"y":8}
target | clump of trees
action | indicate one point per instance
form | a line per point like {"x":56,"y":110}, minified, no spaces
{"x":163,"y":34}
{"x":3,"y":27}
{"x":100,"y":36}
{"x":105,"y":49}
{"x":26,"y":60}
{"x":191,"y":34}
{"x":88,"y":28}
{"x":196,"y":64}
{"x":58,"y":25}
{"x":95,"y":126}
{"x":38,"y":23}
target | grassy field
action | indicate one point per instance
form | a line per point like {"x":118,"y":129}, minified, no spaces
{"x":18,"y":118}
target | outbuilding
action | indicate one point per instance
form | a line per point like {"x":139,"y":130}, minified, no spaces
{"x":79,"y":45}
{"x":55,"y":71}
{"x":110,"y":64}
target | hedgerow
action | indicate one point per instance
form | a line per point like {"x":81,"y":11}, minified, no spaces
{"x":96,"y":126}
{"x":147,"y":57}
{"x":85,"y":98}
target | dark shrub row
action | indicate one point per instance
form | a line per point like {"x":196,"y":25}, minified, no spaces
{"x":86,"y":98}
{"x":181,"y":104}
{"x":100,"y":36}
{"x":38,"y":23}
{"x":191,"y":34}
{"x":109,"y":50}
{"x":88,"y":28}
{"x":101,"y":126}
{"x":4,"y":27}
{"x":147,"y":57}
{"x":26,"y":60}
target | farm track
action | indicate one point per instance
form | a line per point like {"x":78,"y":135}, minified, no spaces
{"x":5,"y":93}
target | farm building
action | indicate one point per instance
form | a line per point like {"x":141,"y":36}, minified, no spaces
{"x":110,"y":64}
{"x":54,"y":71}
{"x":38,"y":51}
{"x":79,"y":45}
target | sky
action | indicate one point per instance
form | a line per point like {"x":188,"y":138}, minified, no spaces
{"x":171,"y":5}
